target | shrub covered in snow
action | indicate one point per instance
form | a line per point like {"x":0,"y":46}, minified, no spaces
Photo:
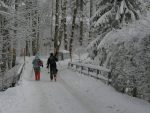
{"x":127,"y":53}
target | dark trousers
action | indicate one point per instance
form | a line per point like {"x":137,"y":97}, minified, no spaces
{"x":52,"y":74}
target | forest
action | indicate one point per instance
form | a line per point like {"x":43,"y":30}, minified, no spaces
{"x":114,"y":33}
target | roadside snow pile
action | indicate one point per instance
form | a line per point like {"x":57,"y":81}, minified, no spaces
{"x":127,"y":53}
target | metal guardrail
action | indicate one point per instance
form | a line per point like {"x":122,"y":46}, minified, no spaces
{"x":97,"y":72}
{"x":11,"y":77}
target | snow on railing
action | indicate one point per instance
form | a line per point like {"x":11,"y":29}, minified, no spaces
{"x":11,"y":77}
{"x":97,"y":72}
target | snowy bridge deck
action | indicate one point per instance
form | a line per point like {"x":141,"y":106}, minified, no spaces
{"x":72,"y":93}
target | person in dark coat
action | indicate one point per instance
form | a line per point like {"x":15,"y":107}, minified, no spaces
{"x":51,"y":63}
{"x":36,"y":65}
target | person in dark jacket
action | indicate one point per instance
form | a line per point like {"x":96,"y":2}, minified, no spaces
{"x":36,"y":65}
{"x":51,"y":63}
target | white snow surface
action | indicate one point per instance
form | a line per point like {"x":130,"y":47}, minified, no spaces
{"x":72,"y":93}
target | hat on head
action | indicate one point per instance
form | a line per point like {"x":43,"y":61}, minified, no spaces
{"x":36,"y":56}
{"x":51,"y":54}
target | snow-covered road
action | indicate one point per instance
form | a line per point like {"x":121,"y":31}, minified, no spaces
{"x":72,"y":93}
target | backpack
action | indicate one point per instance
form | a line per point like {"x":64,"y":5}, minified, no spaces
{"x":37,"y":63}
{"x":52,"y":62}
{"x":40,"y":63}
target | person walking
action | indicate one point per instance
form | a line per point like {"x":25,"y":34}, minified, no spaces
{"x":37,"y":63}
{"x":51,"y":63}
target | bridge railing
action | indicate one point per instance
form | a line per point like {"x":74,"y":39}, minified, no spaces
{"x":97,"y":72}
{"x":11,"y":77}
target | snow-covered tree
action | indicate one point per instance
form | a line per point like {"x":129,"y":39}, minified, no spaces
{"x":115,"y":13}
{"x":33,"y":18}
{"x":5,"y":38}
{"x":15,"y":30}
{"x":119,"y":47}
{"x":111,"y":15}
{"x":126,"y":53}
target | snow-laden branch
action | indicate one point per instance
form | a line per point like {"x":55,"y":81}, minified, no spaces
{"x":104,"y":18}
{"x":98,"y":12}
{"x":2,"y":4}
{"x":5,"y":13}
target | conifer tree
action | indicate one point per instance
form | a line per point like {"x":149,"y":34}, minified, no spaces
{"x":115,"y":13}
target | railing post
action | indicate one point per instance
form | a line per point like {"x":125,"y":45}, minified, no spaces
{"x":88,"y":70}
{"x":97,"y":73}
{"x":76,"y":67}
{"x":3,"y":82}
{"x":71,"y":66}
{"x":109,"y":78}
{"x":68,"y":65}
{"x":81,"y":69}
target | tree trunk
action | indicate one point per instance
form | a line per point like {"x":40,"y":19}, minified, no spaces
{"x":91,"y":14}
{"x":81,"y":23}
{"x":52,"y":14}
{"x":62,"y":24}
{"x":65,"y":25}
{"x":15,"y":32}
{"x":56,"y":28}
{"x":73,"y":28}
